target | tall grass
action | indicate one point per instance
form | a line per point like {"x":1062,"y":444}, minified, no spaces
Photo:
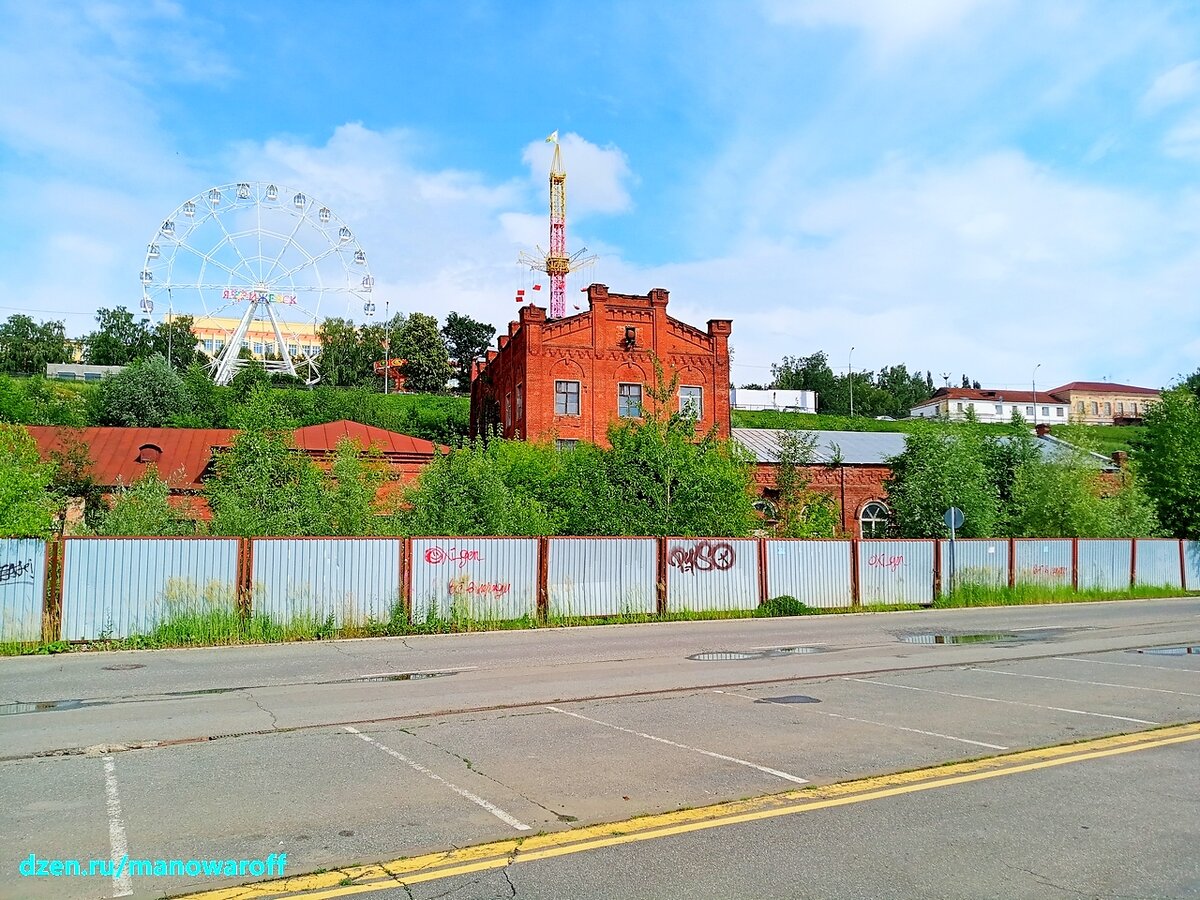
{"x":1027,"y":593}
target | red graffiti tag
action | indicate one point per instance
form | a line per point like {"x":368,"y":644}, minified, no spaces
{"x":1053,"y":571}
{"x":883,"y":561}
{"x":435,"y":556}
{"x":465,"y":585}
{"x":704,"y":556}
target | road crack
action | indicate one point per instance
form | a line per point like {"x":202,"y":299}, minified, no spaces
{"x":274,"y":721}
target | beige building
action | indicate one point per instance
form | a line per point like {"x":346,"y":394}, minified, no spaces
{"x":1104,"y":403}
{"x":213,"y":331}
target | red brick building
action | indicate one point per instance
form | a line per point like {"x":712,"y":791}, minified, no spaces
{"x":569,"y":379}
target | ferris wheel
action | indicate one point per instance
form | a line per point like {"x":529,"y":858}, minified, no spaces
{"x":258,"y":265}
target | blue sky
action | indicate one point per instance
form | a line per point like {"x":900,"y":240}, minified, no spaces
{"x":971,"y":186}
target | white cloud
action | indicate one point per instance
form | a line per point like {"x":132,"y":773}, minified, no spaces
{"x":597,"y":177}
{"x":1173,"y":86}
{"x":1182,"y":140}
{"x":889,"y":24}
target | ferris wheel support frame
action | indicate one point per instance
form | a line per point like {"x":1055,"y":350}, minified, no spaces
{"x":228,"y":361}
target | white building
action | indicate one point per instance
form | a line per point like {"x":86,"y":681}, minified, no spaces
{"x":784,"y":401}
{"x":994,"y":406}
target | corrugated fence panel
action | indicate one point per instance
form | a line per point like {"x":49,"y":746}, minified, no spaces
{"x":477,"y":578}
{"x":353,"y":580}
{"x":1157,"y":563}
{"x":1104,"y":564}
{"x":22,"y":586}
{"x":602,"y":576}
{"x":817,"y":573}
{"x":895,"y":572}
{"x":1043,"y":562}
{"x":1191,"y":565}
{"x":979,"y":562}
{"x":711,"y":574}
{"x":115,"y":587}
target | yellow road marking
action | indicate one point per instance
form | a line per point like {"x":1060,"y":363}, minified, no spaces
{"x":498,"y":854}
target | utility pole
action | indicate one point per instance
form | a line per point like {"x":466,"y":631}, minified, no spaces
{"x":387,"y":343}
{"x":850,"y":375}
{"x":1035,"y":399}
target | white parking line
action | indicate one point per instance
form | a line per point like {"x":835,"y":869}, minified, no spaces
{"x":118,"y":843}
{"x":462,"y":792}
{"x":651,"y":737}
{"x":1109,"y":662}
{"x":821,"y":712}
{"x":1131,"y":687}
{"x":1078,"y":712}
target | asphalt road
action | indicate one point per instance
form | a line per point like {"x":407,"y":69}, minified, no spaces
{"x":327,"y":753}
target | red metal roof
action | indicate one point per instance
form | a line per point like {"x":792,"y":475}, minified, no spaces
{"x":1105,"y":387}
{"x":995,"y":396}
{"x":324,"y":439}
{"x":185,"y":452}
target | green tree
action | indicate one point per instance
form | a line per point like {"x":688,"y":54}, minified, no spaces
{"x":420,"y":343}
{"x":146,"y":394}
{"x":351,"y":491}
{"x":38,"y":401}
{"x":27,"y":346}
{"x":205,"y":404}
{"x":119,"y":340}
{"x":142,"y":509}
{"x":174,"y":340}
{"x":800,"y":510}
{"x":1071,"y":497}
{"x":466,"y":341}
{"x":26,"y":506}
{"x":343,"y":360}
{"x":940,"y":468}
{"x":1168,"y":457}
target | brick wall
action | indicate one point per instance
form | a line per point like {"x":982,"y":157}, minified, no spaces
{"x":851,"y":487}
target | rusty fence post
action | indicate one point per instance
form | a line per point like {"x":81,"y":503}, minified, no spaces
{"x":660,"y":604}
{"x":1183,"y":585}
{"x":764,"y":587}
{"x":937,"y":568}
{"x":406,"y":578}
{"x":1012,"y":562}
{"x":52,"y":591}
{"x":1075,"y":564}
{"x":855,"y":587}
{"x":1132,"y":563}
{"x":543,"y":579}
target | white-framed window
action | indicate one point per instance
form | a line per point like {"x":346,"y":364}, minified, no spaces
{"x":1120,"y":407}
{"x":508,"y":410}
{"x":1135,"y":409}
{"x":1108,"y":409}
{"x":999,"y":409}
{"x":959,"y":406}
{"x":1029,"y":410}
{"x":258,"y":348}
{"x":629,"y":401}
{"x":566,"y":398}
{"x":520,"y":401}
{"x":874,"y":519}
{"x":691,"y":400}
{"x":1079,"y":407}
{"x":1095,"y":408}
{"x":1060,"y":412}
{"x":1045,"y":411}
{"x":565,"y":444}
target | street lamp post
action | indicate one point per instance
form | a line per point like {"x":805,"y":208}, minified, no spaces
{"x":1035,"y":399}
{"x":850,"y":375}
{"x":387,"y":343}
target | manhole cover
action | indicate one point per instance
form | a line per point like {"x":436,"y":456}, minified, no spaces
{"x":1171,"y":651}
{"x":957,"y":638}
{"x":791,"y":698}
{"x":724,"y":655}
{"x":124,"y":667}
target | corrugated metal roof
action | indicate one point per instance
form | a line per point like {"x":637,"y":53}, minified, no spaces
{"x":185,"y":453}
{"x":872,"y":448}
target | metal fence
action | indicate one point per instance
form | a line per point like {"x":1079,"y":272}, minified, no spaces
{"x":601,"y":576}
{"x":709,"y":574}
{"x":351,"y":581}
{"x":1044,"y":562}
{"x":893,"y":572}
{"x":22,"y":587}
{"x":976,"y":562}
{"x":115,"y":587}
{"x":817,"y":573}
{"x":95,"y":588}
{"x":1158,"y":563}
{"x":1104,"y":565}
{"x":481,"y":579}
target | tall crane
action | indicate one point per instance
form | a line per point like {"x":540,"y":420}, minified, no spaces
{"x":556,"y":263}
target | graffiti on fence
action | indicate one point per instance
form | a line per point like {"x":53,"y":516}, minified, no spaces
{"x":464,"y":584}
{"x":18,"y":572}
{"x":435,"y":556}
{"x":1052,"y":571}
{"x":883,"y":561}
{"x":703,"y":556}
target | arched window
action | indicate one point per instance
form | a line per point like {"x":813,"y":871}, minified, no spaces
{"x":874,"y":520}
